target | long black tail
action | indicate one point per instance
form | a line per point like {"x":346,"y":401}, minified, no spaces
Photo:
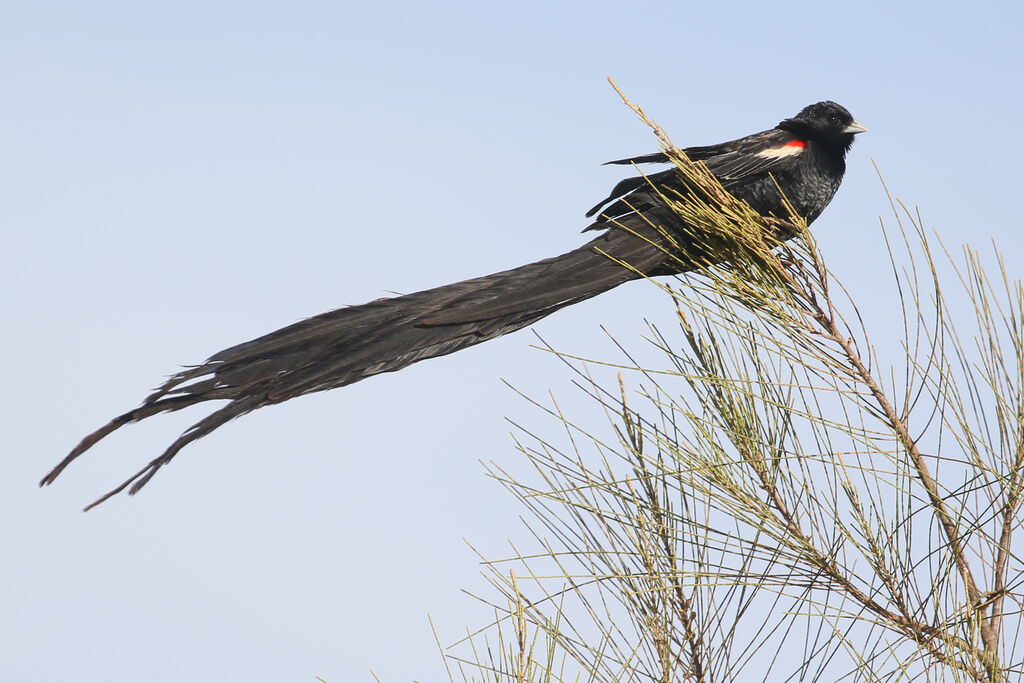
{"x":346,"y":345}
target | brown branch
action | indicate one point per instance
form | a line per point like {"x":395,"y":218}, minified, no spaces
{"x":921,"y":633}
{"x":1009,"y":514}
{"x":826,"y":319}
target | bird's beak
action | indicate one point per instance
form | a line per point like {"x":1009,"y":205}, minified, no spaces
{"x":855,"y":128}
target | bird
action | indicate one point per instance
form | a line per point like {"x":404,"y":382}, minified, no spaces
{"x":799,"y":165}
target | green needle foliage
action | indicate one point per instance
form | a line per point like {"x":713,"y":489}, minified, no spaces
{"x":774,"y":502}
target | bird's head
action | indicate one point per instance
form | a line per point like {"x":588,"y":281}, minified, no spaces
{"x":826,"y":122}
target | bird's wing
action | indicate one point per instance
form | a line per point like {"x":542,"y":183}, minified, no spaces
{"x":743,"y":163}
{"x":655,"y":158}
{"x":635,"y":189}
{"x":730,"y":161}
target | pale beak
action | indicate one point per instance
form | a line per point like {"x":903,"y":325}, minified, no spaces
{"x":855,"y":128}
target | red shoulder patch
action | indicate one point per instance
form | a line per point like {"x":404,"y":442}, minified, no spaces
{"x":798,"y":143}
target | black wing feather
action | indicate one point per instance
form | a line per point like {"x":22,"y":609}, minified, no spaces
{"x":729,"y":162}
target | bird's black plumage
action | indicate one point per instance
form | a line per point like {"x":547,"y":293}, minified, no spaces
{"x":804,"y":156}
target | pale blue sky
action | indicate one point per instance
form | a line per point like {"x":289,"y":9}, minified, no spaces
{"x":177,"y":178}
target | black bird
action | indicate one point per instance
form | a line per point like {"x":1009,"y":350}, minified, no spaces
{"x":804,"y":156}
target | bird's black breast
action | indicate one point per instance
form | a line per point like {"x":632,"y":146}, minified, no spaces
{"x":808,"y":182}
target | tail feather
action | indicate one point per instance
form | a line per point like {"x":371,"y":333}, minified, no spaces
{"x":200,"y":429}
{"x":346,"y":345}
{"x":142,"y":412}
